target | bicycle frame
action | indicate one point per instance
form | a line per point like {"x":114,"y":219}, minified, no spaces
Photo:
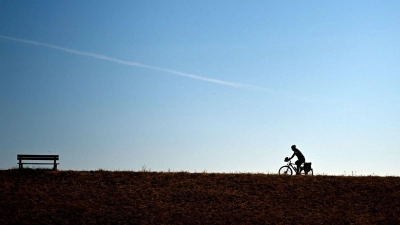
{"x":292,"y":165}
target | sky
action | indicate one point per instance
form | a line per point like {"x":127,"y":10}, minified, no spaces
{"x":201,"y":86}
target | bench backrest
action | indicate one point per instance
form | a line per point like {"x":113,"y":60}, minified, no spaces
{"x":37,"y":157}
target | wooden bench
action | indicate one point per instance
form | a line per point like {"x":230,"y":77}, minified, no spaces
{"x":53,"y":158}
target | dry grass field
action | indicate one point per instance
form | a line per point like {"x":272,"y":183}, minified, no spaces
{"x":112,"y":197}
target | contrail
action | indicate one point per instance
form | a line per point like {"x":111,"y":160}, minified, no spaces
{"x":135,"y":64}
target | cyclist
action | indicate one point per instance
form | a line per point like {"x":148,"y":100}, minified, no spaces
{"x":300,"y":158}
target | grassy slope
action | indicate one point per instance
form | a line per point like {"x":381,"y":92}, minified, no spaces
{"x":72,"y":197}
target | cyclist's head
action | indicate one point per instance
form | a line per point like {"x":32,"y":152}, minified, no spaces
{"x":293,"y":147}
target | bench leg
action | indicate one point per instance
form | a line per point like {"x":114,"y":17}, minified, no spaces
{"x":55,"y":165}
{"x":20,"y":166}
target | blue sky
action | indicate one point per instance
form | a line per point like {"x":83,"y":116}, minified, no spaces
{"x":217,"y":86}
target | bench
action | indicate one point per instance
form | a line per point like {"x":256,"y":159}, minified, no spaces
{"x":53,"y":158}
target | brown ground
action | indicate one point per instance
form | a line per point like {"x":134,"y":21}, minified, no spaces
{"x":101,"y":197}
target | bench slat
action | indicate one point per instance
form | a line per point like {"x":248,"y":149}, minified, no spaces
{"x":37,"y":157}
{"x":40,"y":163}
{"x":33,"y":156}
{"x":28,"y":158}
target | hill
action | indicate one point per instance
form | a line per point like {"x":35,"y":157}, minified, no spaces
{"x":98,"y":197}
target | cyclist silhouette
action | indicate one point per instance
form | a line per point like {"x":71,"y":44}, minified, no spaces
{"x":300,"y":158}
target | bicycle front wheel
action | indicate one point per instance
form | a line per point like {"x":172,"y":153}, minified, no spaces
{"x":285,"y":170}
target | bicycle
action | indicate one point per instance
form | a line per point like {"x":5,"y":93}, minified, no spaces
{"x":290,"y":167}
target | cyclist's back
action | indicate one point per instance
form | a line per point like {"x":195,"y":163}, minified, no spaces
{"x":297,"y":152}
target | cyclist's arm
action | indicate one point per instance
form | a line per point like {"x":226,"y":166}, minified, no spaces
{"x":292,"y":156}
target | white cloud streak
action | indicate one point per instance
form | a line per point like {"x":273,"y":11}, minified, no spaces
{"x":135,"y":64}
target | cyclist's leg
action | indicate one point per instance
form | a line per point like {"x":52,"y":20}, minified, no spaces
{"x":298,"y":164}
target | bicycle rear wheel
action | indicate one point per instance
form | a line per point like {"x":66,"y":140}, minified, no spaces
{"x":309,"y":173}
{"x":285,"y":170}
